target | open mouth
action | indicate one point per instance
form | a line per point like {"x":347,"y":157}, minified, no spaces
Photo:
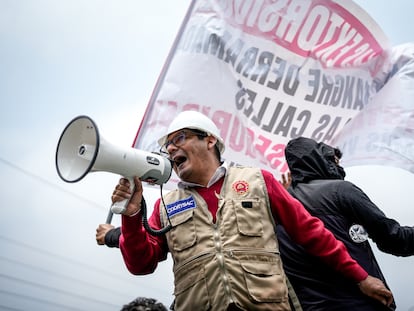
{"x":179,"y":160}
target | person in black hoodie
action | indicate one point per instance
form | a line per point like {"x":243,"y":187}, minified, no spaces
{"x":318,"y":183}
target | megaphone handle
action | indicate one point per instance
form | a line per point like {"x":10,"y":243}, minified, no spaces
{"x":120,"y":207}
{"x":109,"y":217}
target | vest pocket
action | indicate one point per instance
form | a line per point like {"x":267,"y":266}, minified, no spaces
{"x":248,"y":216}
{"x":191,"y":291}
{"x":183,"y":234}
{"x":265,"y":281}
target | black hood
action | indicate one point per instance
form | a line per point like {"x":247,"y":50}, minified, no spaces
{"x":309,"y":160}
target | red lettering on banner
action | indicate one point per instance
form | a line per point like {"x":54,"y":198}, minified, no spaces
{"x":262,"y":147}
{"x":277,"y":158}
{"x":322,"y":29}
{"x":195,"y":107}
{"x":250,"y":151}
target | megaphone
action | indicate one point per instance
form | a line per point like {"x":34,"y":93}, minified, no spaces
{"x":81,"y":150}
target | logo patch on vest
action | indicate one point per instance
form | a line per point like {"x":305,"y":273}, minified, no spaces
{"x":240,"y":186}
{"x":181,"y":206}
{"x":358,"y":233}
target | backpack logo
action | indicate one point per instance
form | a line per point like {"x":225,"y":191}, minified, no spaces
{"x":358,"y":233}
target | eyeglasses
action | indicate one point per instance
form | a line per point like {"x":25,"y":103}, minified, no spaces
{"x":179,"y":140}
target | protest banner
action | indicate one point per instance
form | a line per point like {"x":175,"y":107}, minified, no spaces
{"x":266,"y":72}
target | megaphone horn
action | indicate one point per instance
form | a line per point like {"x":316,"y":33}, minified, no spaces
{"x":81,"y":150}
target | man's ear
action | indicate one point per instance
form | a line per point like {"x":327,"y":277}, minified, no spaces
{"x":211,"y":141}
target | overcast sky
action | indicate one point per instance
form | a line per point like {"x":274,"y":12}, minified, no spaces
{"x":61,"y":59}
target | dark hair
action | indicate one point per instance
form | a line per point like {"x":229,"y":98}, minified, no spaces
{"x":200,"y":134}
{"x":144,"y":304}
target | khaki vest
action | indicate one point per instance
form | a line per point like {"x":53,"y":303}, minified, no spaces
{"x":236,"y":259}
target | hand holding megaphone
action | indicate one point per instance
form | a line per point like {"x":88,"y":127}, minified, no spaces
{"x":125,"y":191}
{"x":81,"y":150}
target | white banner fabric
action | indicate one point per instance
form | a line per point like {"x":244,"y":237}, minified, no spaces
{"x":268,"y":71}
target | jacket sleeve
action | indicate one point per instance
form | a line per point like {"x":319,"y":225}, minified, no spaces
{"x":310,"y":232}
{"x":112,"y":237}
{"x":387,"y":233}
{"x":140,"y":250}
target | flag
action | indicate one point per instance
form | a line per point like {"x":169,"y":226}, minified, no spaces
{"x":383,"y":132}
{"x":266,"y":72}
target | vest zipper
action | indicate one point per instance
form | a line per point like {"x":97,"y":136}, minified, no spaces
{"x":220,"y":260}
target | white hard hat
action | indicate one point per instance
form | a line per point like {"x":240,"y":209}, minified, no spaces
{"x":194,"y":120}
